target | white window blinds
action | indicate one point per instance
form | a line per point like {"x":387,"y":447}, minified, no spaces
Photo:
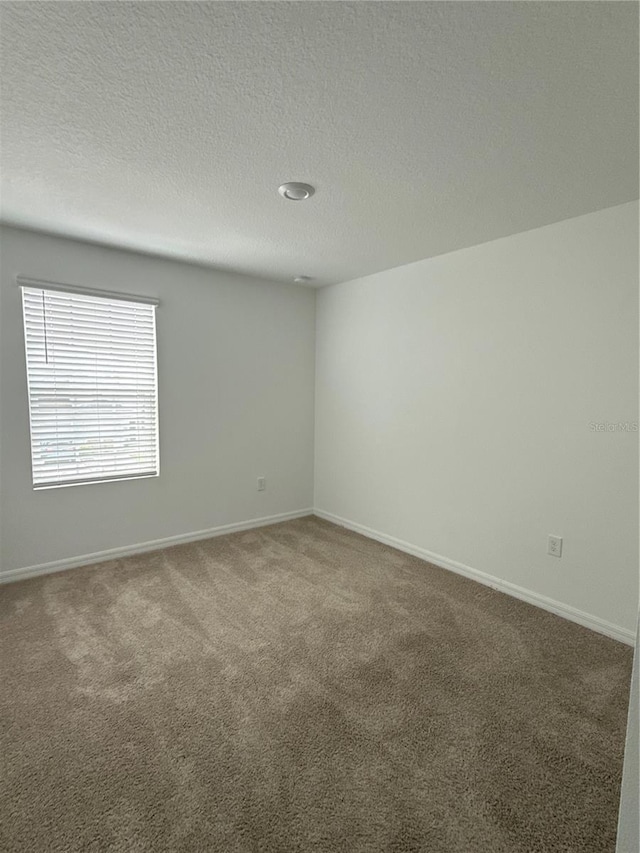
{"x":93,"y":392}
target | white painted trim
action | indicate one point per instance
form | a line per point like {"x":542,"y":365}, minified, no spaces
{"x":566,"y":611}
{"x":153,"y":545}
{"x":557,"y":607}
{"x":25,"y":281}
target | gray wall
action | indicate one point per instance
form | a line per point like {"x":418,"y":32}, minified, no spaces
{"x":236,"y":373}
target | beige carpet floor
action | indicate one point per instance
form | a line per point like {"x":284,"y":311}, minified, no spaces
{"x":301,"y":688}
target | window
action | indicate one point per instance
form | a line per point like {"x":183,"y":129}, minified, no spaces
{"x":93,"y":390}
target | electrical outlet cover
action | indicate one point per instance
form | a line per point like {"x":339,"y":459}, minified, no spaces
{"x":555,"y":546}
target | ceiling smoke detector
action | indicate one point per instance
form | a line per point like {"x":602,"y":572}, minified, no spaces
{"x":294,"y":191}
{"x":303,"y":279}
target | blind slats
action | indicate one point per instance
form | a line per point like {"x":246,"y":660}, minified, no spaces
{"x":84,"y":319}
{"x":93,"y":393}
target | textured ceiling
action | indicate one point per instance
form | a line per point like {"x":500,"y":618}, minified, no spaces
{"x":425,"y":127}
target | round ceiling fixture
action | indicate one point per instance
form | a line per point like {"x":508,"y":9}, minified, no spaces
{"x":303,"y":279}
{"x":295,"y":191}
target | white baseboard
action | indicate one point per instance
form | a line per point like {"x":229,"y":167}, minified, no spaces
{"x":142,"y":547}
{"x":557,"y":607}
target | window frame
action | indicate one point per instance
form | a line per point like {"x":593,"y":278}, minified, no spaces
{"x":27,"y":282}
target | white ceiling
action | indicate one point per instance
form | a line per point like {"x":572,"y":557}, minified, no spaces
{"x":425,"y":127}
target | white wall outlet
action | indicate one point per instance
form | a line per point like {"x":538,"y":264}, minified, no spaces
{"x":262,"y":484}
{"x":555,"y":546}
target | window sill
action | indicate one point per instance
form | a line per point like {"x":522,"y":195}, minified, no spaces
{"x":68,"y":484}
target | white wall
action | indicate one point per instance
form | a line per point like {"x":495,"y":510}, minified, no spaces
{"x":628,"y":840}
{"x":236,"y":373}
{"x":454,"y":398}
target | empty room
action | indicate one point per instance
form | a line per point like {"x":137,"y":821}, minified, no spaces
{"x":319,"y":389}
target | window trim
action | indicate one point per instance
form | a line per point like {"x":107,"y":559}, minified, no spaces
{"x":68,"y":483}
{"x":28,"y":282}
{"x":25,"y":281}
